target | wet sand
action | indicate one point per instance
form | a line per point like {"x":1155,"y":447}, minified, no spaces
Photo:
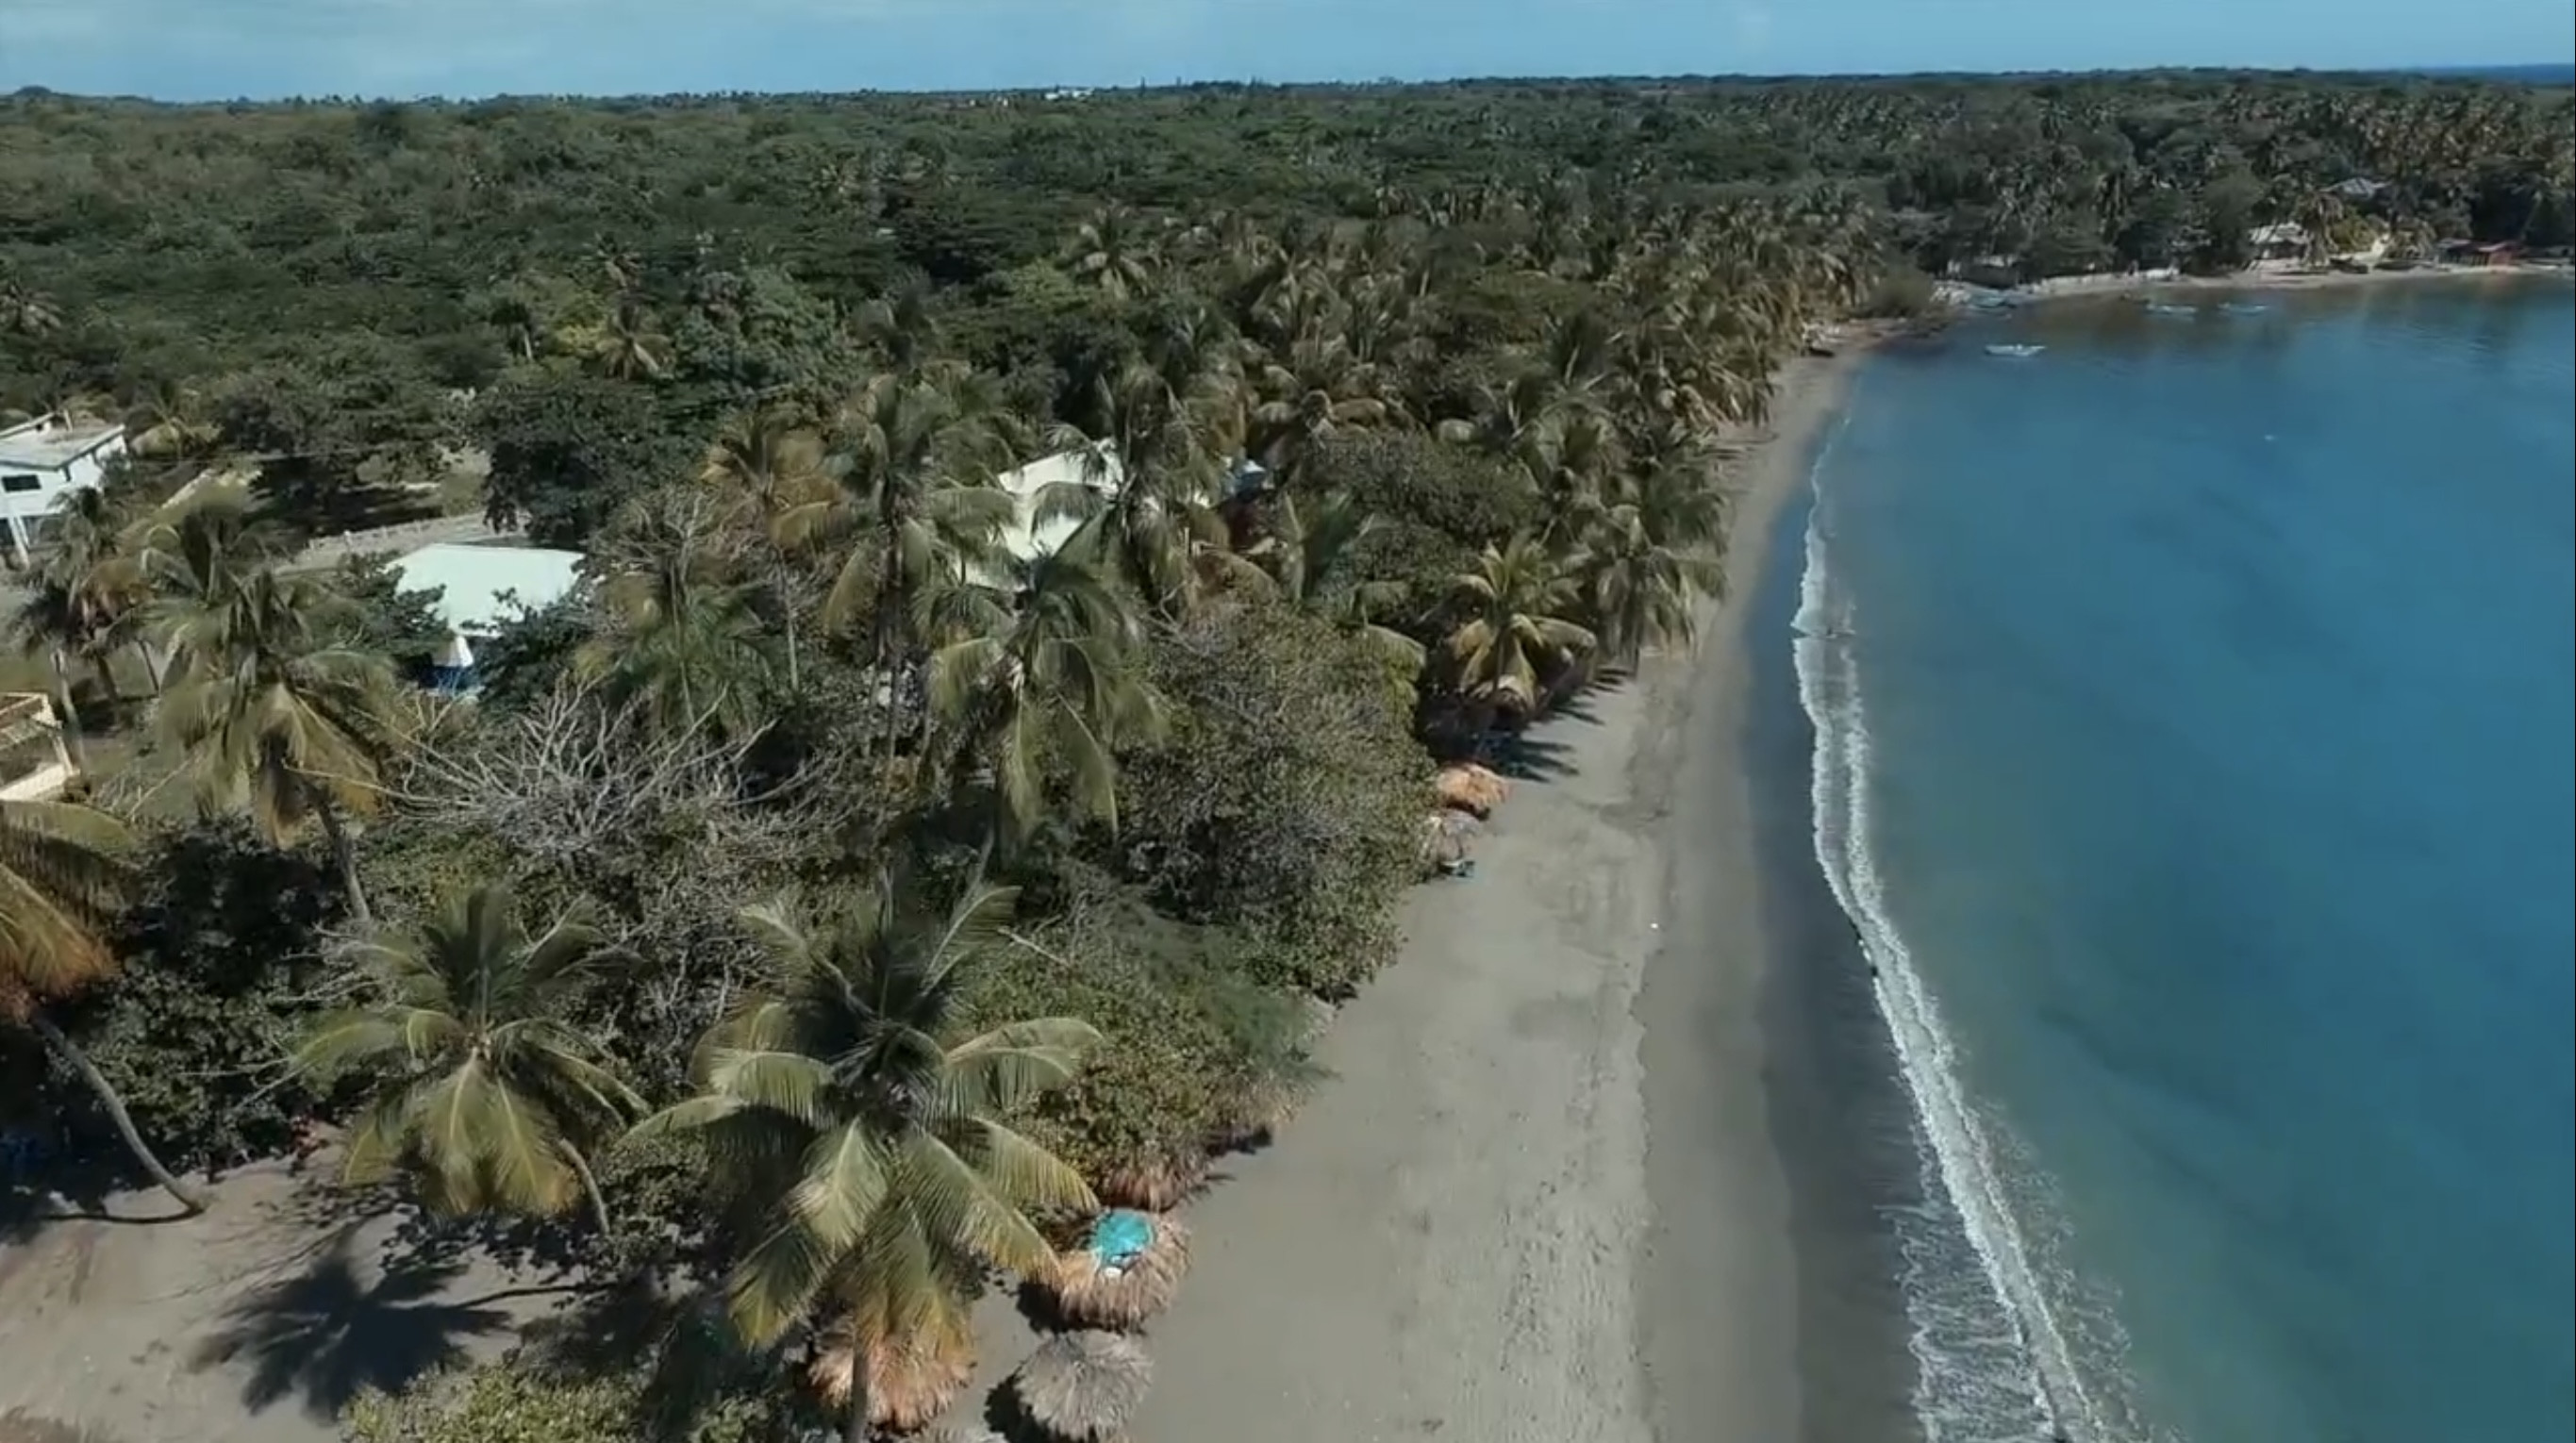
{"x":1541,"y":1199}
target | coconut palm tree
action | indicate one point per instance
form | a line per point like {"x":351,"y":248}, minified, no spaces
{"x":64,"y":871}
{"x":773,"y":464}
{"x":1161,"y":430}
{"x":1511,"y":625}
{"x":479,"y":1088}
{"x":26,"y":312}
{"x":867,"y":1139}
{"x":1109,"y":251}
{"x":1052,"y":690}
{"x":684,"y":634}
{"x":1651,"y":555}
{"x":631,"y":345}
{"x":1310,"y":552}
{"x":272,"y":713}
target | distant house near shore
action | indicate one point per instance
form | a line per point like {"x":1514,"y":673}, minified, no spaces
{"x":42,"y":462}
{"x":2286,"y":241}
{"x":2482,"y":253}
{"x":481,"y":591}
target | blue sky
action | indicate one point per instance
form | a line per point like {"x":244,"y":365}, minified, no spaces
{"x":213,"y":49}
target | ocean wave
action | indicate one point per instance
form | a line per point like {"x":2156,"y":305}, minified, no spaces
{"x":1996,"y":1330}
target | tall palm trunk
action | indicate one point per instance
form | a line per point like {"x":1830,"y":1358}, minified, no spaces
{"x":67,"y":715}
{"x":346,"y":856}
{"x":590,"y":1189}
{"x":63,"y":1047}
{"x":854,"y":1428}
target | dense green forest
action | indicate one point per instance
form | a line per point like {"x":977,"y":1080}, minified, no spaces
{"x":827,"y":908}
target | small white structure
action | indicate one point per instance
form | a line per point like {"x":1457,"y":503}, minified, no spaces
{"x":35,"y":765}
{"x":43,"y":461}
{"x":2287,"y":241}
{"x":483,"y":589}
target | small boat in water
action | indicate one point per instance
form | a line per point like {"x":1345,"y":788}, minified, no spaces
{"x":2168,"y":308}
{"x":2014,"y":349}
{"x":2243,"y":308}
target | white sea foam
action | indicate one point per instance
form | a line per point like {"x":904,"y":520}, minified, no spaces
{"x":1990,"y":1342}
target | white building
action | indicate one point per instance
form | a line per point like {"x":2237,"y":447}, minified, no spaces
{"x":43,"y":461}
{"x":483,"y":589}
{"x":35,"y":766}
{"x":1093,"y":466}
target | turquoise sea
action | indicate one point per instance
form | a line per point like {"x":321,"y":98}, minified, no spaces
{"x":2196,"y":759}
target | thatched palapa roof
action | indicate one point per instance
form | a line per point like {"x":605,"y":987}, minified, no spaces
{"x":1154,"y":1183}
{"x":1084,"y":1387}
{"x":911,"y":1381}
{"x":1123,"y":1292}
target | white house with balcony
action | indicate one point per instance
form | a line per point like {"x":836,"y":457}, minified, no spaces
{"x":42,"y":462}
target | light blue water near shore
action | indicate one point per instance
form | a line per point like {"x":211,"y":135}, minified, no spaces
{"x":2196,"y":712}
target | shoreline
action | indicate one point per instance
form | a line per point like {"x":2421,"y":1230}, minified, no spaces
{"x":1957,"y":296}
{"x":1540,"y":1197}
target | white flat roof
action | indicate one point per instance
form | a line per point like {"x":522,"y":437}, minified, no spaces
{"x":1026,"y":537}
{"x":479,"y":584}
{"x":51,"y":443}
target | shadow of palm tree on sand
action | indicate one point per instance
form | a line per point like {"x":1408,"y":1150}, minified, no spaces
{"x":326,"y":1333}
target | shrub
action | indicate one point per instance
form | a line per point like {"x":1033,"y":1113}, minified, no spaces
{"x":1286,"y":797}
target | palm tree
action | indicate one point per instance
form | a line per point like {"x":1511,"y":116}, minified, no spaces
{"x":272,"y":712}
{"x":631,"y":346}
{"x":1651,"y":555}
{"x":1161,"y":430}
{"x":26,"y":312}
{"x":774,"y":465}
{"x":1107,"y":252}
{"x":685,"y":637}
{"x":1511,"y":625}
{"x":63,"y":873}
{"x":1311,"y":560}
{"x":1053,"y":689}
{"x":479,"y":1089}
{"x":869,"y":1143}
{"x":917,"y":509}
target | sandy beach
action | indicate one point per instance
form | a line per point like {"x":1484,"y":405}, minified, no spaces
{"x":1540,"y":1200}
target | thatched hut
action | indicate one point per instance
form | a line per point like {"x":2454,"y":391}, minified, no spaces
{"x":1129,"y":1270}
{"x":1156,"y":1182}
{"x":911,"y":1380}
{"x":962,"y":1433}
{"x":1084,"y":1387}
{"x":1467,"y":787}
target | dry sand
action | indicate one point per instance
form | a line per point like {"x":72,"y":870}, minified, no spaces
{"x":1471,"y":1232}
{"x":252,"y":1323}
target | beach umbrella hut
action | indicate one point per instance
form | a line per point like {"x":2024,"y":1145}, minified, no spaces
{"x":1128,"y":1270}
{"x":1156,"y":1182}
{"x":962,"y":1433}
{"x":1084,"y":1387}
{"x":911,"y":1379}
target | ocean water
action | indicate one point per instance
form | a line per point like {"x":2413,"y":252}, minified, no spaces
{"x":2195,"y":756}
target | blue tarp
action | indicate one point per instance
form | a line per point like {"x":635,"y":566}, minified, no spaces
{"x":1120,"y":1237}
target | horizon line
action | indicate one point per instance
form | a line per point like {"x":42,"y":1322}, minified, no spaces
{"x":2546,"y":74}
